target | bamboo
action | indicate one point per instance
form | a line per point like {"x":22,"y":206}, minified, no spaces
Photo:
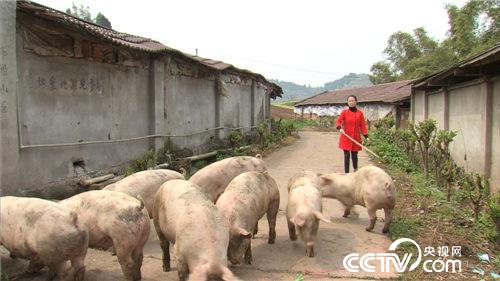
{"x":366,"y":148}
{"x":86,"y":182}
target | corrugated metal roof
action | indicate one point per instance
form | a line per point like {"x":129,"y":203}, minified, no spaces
{"x":388,"y":92}
{"x":133,"y":41}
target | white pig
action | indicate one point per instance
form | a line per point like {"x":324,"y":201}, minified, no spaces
{"x":247,"y":198}
{"x":369,"y":187}
{"x":304,"y":207}
{"x":183,"y":215}
{"x":45,"y":233}
{"x":214,"y":178}
{"x":144,"y":184}
{"x":114,"y":219}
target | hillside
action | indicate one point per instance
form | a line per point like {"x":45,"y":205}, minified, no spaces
{"x":294,"y":92}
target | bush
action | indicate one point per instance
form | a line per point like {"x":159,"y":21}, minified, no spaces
{"x":147,"y":160}
{"x":235,"y":138}
{"x":384,"y":145}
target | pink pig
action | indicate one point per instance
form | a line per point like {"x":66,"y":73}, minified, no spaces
{"x":114,"y":219}
{"x":247,"y":198}
{"x":304,"y":207}
{"x":45,"y":233}
{"x":214,"y":178}
{"x":145,"y":184}
{"x":184,"y":215}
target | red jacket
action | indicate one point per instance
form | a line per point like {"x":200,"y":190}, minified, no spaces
{"x":353,"y":124}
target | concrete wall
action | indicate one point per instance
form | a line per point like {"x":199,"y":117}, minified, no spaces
{"x":467,"y":115}
{"x":495,"y":137}
{"x":190,"y":107}
{"x":65,"y":100}
{"x":237,"y":110}
{"x":260,"y":101}
{"x":8,"y":82}
{"x":79,"y":116}
{"x":417,"y":106}
{"x":436,"y":108}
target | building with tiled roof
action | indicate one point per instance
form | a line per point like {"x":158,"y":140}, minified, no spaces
{"x":80,"y":100}
{"x":377,"y":102}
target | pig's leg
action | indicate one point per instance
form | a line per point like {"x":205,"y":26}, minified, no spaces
{"x":79,"y":267}
{"x":182,"y":268}
{"x":347,"y":211}
{"x":34,"y":266}
{"x":291,"y":230}
{"x":54,"y":270}
{"x":373,"y":218}
{"x":388,"y":219}
{"x":310,"y":249}
{"x":137,"y":257}
{"x":126,"y":262}
{"x":272,"y":212}
{"x":310,"y":238}
{"x":256,"y":229}
{"x":165,"y":245}
{"x":248,"y":254}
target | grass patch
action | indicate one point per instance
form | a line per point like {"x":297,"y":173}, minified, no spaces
{"x":286,"y":104}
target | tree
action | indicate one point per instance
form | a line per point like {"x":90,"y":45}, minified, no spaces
{"x":80,"y":12}
{"x":473,"y":28}
{"x":101,"y":20}
{"x":401,"y":48}
{"x":382,"y":73}
{"x":425,"y":43}
{"x":463,"y":26}
{"x":85,"y":14}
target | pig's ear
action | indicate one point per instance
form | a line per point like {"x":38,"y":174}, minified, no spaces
{"x":298,"y":220}
{"x":244,"y":233}
{"x":321,"y":217}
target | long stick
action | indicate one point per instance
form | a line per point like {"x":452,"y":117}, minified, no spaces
{"x":367,"y":149}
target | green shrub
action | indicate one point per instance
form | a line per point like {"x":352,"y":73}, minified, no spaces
{"x":235,"y":138}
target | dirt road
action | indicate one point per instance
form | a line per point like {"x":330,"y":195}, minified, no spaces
{"x":316,"y":151}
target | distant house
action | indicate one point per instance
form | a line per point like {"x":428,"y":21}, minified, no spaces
{"x":376,"y":101}
{"x":466,"y":98}
{"x":79,"y":99}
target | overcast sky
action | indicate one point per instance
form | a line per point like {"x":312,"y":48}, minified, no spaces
{"x":307,"y":42}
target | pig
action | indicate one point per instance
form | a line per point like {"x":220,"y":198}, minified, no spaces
{"x":144,"y":184}
{"x":214,"y":178}
{"x":304,"y":208}
{"x":369,"y":187}
{"x":45,"y":233}
{"x":247,"y":198}
{"x":114,"y":219}
{"x":185,"y":216}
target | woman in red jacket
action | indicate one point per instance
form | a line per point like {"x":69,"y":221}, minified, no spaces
{"x":352,"y":122}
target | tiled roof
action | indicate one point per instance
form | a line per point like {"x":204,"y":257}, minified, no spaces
{"x":132,"y":41}
{"x":388,"y":92}
{"x":483,"y":64}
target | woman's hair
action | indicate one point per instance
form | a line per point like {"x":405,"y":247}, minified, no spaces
{"x":355,"y":98}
